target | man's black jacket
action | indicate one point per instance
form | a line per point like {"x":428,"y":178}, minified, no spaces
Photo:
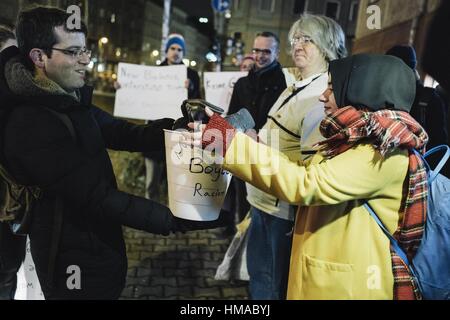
{"x":258,"y":92}
{"x":39,"y":150}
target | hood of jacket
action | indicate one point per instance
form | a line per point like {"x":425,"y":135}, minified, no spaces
{"x":373,"y":81}
{"x":18,"y":86}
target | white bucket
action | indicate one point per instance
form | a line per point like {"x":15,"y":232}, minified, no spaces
{"x":196,"y":190}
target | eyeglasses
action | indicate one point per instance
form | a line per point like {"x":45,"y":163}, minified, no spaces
{"x":265,"y":52}
{"x":301,"y":40}
{"x":75,"y":53}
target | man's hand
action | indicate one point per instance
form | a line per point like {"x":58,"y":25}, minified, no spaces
{"x":187,"y":83}
{"x":194,"y":138}
{"x":184,"y":225}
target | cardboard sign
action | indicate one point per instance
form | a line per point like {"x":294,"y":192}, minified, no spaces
{"x":219,"y":87}
{"x":149,"y":93}
{"x":196,"y":189}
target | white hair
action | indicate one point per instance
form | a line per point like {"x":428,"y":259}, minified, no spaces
{"x":326,"y":34}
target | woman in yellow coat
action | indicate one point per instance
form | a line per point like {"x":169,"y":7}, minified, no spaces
{"x":339,"y":251}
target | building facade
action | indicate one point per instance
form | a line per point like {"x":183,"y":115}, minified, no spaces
{"x":123,"y":31}
{"x":401,"y":22}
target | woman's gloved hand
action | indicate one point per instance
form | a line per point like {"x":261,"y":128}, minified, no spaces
{"x":219,"y":132}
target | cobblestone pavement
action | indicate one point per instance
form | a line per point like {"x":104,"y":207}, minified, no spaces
{"x":181,"y":266}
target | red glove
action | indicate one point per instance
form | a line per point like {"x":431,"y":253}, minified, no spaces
{"x":218,"y":134}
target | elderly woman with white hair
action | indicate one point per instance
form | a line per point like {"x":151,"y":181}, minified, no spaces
{"x":293,"y":127}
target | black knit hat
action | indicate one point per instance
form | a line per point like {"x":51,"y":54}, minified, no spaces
{"x":406,"y":53}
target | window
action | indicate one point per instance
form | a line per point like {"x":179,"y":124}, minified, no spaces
{"x":332,"y":9}
{"x":354,"y":11}
{"x":267,"y":5}
{"x":300,"y":6}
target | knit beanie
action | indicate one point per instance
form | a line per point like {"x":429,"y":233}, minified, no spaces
{"x":406,"y":53}
{"x":175,"y":38}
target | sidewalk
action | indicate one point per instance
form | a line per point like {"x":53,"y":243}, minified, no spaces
{"x":180,"y":266}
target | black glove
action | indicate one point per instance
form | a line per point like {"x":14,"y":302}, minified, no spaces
{"x":194,"y":110}
{"x":183,"y":225}
{"x":180,"y":123}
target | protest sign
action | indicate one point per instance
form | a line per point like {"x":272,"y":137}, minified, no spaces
{"x":149,"y":93}
{"x":28,"y":286}
{"x":196,"y":189}
{"x":219,"y":87}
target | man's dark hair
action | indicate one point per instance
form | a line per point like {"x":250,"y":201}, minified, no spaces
{"x":268,"y":34}
{"x":35,"y":28}
{"x":6,"y":34}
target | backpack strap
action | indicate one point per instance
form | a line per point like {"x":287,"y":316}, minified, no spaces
{"x":434,"y":173}
{"x":394,"y":242}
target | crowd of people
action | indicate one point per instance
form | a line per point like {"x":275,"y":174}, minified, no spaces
{"x":347,"y":130}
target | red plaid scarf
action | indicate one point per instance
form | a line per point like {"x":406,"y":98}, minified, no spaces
{"x":388,"y":130}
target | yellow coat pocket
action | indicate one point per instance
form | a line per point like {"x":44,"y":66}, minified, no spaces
{"x":324,"y":280}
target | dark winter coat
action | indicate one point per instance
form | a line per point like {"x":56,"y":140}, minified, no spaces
{"x":39,"y":150}
{"x":258,"y":92}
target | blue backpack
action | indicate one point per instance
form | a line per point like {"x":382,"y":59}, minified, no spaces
{"x":430,"y":267}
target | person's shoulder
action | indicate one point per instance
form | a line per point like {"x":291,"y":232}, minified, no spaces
{"x":276,"y":73}
{"x":241,"y":81}
{"x":277,"y":69}
{"x":393,"y":159}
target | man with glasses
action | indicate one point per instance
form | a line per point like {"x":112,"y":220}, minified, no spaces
{"x":265,"y":81}
{"x":257,"y":92}
{"x":55,"y":139}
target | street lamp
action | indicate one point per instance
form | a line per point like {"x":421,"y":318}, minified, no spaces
{"x":101,"y":42}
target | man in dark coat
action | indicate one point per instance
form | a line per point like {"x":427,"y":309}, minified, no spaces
{"x":265,"y":81}
{"x":175,"y":52}
{"x":70,"y":163}
{"x":256,"y":92}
